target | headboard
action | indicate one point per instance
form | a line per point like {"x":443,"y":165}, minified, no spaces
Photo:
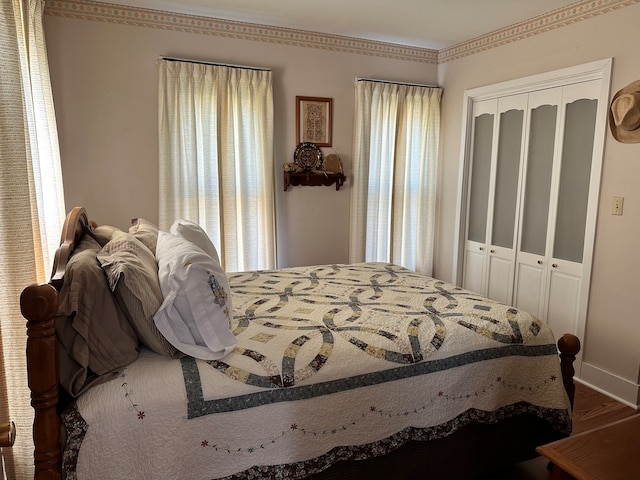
{"x":39,"y":305}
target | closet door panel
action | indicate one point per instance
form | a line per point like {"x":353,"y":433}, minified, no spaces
{"x":483,"y":141}
{"x":500,"y":277}
{"x":474,"y":269}
{"x":575,"y":173}
{"x":539,"y":167}
{"x":563,"y":299}
{"x":530,"y":281}
{"x":507,"y":176}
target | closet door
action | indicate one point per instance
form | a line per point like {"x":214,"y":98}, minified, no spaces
{"x":564,"y":131}
{"x":575,"y":190}
{"x":556,"y":193}
{"x":497,"y":155}
{"x":533,"y":254}
{"x":505,"y":198}
{"x":482,"y":154}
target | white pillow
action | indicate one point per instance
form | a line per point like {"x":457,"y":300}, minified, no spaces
{"x":195,"y":233}
{"x":195,"y":316}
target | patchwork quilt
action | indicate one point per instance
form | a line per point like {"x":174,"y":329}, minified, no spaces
{"x":331,"y":361}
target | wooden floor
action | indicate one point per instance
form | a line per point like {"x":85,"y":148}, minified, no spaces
{"x":591,"y":409}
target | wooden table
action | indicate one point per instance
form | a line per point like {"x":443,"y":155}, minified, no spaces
{"x":610,"y":452}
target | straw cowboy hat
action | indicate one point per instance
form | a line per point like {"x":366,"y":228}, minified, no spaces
{"x":624,"y":114}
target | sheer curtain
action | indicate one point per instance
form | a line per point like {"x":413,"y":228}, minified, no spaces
{"x":395,"y":155}
{"x":31,"y":205}
{"x":216,"y":158}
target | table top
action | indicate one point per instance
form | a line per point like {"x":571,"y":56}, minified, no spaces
{"x":610,"y":452}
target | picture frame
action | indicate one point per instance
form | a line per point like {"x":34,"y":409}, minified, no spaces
{"x":314,"y":120}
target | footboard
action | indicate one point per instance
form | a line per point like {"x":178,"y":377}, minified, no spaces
{"x":569,"y":346}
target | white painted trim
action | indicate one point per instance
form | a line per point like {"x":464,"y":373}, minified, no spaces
{"x":594,"y":199}
{"x":611,"y":385}
{"x":463,"y":180}
{"x":599,"y":69}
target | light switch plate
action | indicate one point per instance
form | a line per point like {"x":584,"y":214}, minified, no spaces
{"x":617,"y":205}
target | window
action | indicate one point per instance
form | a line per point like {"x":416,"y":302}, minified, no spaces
{"x":395,"y":154}
{"x":216,"y":157}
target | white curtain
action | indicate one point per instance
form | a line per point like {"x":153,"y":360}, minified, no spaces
{"x":31,"y":205}
{"x":216,"y":158}
{"x":395,"y":156}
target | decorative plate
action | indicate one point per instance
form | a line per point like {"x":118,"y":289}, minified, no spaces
{"x":307,"y":156}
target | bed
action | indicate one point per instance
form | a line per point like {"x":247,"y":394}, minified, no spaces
{"x":331,"y":372}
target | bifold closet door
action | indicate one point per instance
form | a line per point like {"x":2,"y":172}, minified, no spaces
{"x":529,"y":189}
{"x":497,"y":152}
{"x":550,"y":197}
{"x":556,"y":194}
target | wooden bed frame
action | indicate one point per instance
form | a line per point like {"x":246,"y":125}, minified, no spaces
{"x":39,"y":305}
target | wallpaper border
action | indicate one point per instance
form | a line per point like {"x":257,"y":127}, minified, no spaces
{"x":555,"y":19}
{"x":105,"y":12}
{"x":113,"y":13}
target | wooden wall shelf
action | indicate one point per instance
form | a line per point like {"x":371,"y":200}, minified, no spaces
{"x":313,"y":179}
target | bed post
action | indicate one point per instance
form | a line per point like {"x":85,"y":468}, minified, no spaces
{"x":39,"y":305}
{"x":569,"y":346}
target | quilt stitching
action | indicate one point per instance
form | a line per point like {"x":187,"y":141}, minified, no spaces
{"x":300,"y":429}
{"x":197,"y":406}
{"x":303,"y":469}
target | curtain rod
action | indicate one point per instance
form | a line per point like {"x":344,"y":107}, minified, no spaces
{"x":359,"y":79}
{"x":173,"y":59}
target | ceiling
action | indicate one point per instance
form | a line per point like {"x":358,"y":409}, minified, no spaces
{"x":432,"y":24}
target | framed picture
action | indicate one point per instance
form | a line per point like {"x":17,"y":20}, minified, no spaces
{"x":314,"y":120}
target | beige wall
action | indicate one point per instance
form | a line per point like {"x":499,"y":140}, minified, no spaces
{"x":611,"y":349}
{"x":104,"y":87}
{"x":104,"y":81}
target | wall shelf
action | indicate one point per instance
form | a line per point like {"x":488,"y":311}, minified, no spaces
{"x":313,"y":179}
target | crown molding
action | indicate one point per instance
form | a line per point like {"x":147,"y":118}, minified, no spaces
{"x":125,"y":15}
{"x":550,"y":21}
{"x":106,"y":12}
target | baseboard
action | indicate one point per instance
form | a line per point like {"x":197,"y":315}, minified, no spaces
{"x":611,"y":385}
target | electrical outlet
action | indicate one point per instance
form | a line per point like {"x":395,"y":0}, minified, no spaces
{"x":617,"y":205}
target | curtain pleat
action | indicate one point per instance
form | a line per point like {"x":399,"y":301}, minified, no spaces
{"x":395,"y":156}
{"x":216,"y":158}
{"x":31,"y":206}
